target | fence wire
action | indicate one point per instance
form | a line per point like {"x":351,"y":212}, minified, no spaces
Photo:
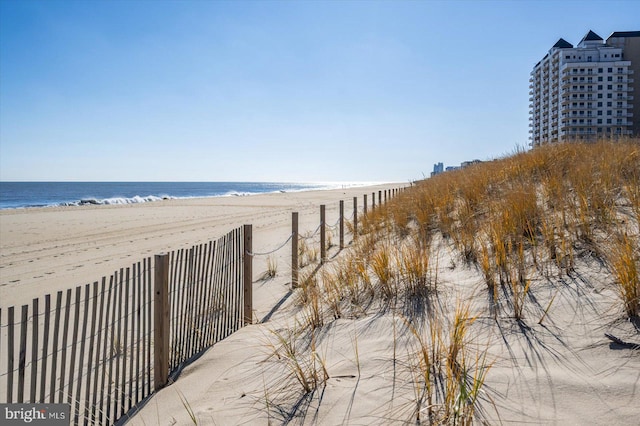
{"x":271,"y":251}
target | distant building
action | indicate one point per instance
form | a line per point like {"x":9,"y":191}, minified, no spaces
{"x":437,"y":168}
{"x":587,"y":91}
{"x":451,"y":168}
{"x":469,"y":163}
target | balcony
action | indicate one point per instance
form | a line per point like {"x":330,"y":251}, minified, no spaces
{"x":578,"y":90}
{"x":579,"y":108}
{"x":578,"y":132}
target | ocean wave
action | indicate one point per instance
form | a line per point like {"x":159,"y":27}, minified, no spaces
{"x":237,"y":194}
{"x":117,"y":200}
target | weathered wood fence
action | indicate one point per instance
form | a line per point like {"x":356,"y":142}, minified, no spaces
{"x":105,"y":347}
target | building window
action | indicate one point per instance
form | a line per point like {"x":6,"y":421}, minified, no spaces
{"x":609,"y":78}
{"x":567,"y":57}
{"x":599,"y":120}
{"x":620,"y":70}
{"x":608,"y":121}
{"x":599,"y":78}
{"x":599,"y":95}
{"x":608,"y":69}
{"x":599,"y":70}
{"x":599,"y":112}
{"x":609,"y":104}
{"x":599,"y":86}
{"x":609,"y":112}
{"x":599,"y":104}
{"x":609,"y":95}
{"x":609,"y":86}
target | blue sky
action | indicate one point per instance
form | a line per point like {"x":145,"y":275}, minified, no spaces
{"x":197,"y":90}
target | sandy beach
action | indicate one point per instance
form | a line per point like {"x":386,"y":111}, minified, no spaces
{"x":44,"y":250}
{"x":562,"y":370}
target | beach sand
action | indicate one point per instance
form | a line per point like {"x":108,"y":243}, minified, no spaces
{"x":44,"y":250}
{"x":561,"y":371}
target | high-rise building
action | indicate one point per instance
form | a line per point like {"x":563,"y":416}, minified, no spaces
{"x":437,"y":169}
{"x":587,"y":91}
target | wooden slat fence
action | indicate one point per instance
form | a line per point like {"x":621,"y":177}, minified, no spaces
{"x":92,"y":346}
{"x":205,"y":296}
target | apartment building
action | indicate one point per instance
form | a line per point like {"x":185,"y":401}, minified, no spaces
{"x":587,"y":91}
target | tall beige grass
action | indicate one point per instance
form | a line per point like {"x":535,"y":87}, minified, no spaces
{"x":527,"y":213}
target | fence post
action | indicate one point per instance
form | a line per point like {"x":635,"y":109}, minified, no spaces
{"x":294,"y":250}
{"x":355,"y":217}
{"x":161,"y":321}
{"x":380,"y":198}
{"x":323,"y":247}
{"x":248,"y":274}
{"x":341,"y":224}
{"x":373,"y":201}
{"x":365,"y":204}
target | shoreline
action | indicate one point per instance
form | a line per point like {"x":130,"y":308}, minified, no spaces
{"x":167,"y":195}
{"x":45,"y":250}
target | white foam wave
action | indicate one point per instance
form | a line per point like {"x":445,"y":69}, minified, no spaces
{"x":117,"y":200}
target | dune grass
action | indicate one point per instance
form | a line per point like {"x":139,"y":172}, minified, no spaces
{"x":527,"y":214}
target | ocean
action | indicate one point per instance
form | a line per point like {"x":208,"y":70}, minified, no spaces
{"x":44,"y":194}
